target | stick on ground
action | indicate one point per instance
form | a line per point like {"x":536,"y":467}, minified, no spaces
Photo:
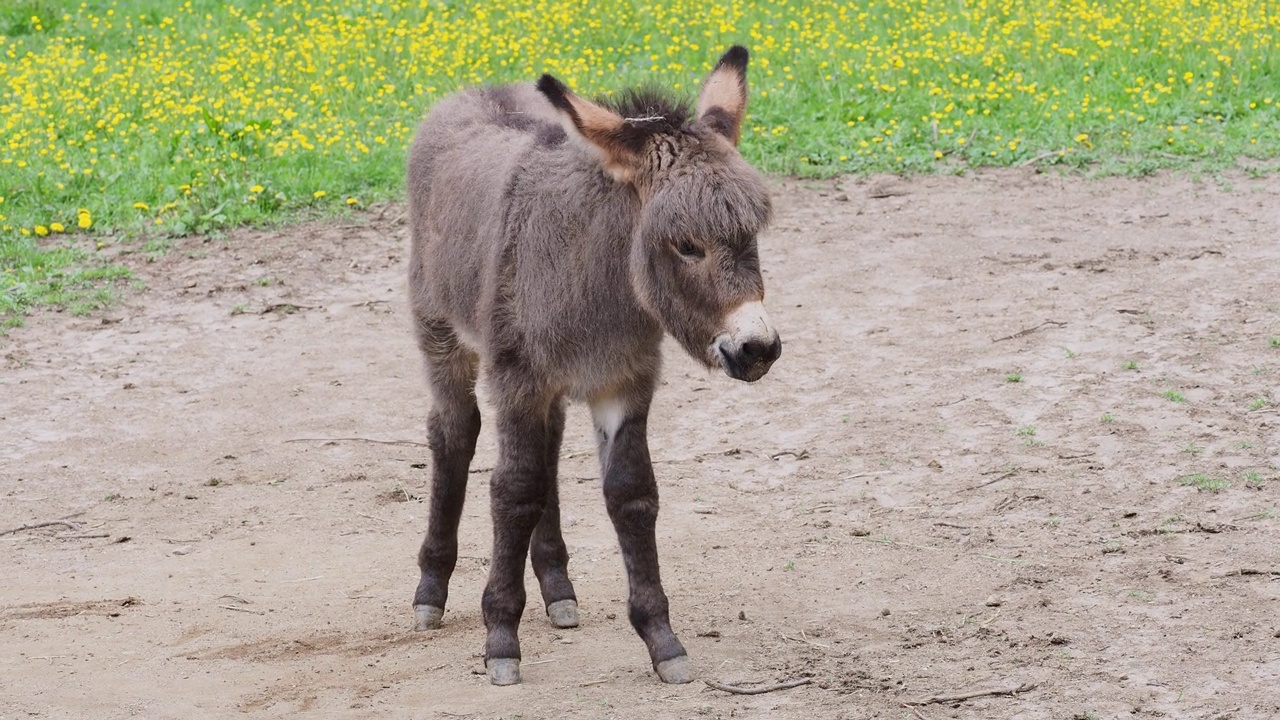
{"x":408,"y":443}
{"x":1024,"y":687}
{"x":762,"y":689}
{"x":1028,"y":331}
{"x":37,"y":526}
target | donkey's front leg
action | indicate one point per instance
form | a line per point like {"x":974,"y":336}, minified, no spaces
{"x":631,"y":496}
{"x":517,"y":495}
{"x":547,"y":550}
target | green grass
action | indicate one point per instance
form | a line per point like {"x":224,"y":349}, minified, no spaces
{"x":1173,"y":396}
{"x":1204,"y":483}
{"x":1013,"y":377}
{"x":163,"y":118}
{"x":1129,"y":365}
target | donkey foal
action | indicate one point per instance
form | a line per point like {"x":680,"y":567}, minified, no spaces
{"x":554,"y":240}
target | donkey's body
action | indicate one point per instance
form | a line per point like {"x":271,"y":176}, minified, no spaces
{"x":554,"y":240}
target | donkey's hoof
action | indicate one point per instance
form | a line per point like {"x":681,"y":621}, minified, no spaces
{"x":503,"y":671}
{"x":675,"y":671}
{"x":427,"y":617}
{"x":563,"y":613}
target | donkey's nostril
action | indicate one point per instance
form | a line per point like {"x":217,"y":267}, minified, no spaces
{"x":755,"y":351}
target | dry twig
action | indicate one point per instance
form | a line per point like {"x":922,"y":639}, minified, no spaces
{"x":241,"y":609}
{"x":409,"y":443}
{"x":37,"y":526}
{"x":736,"y":690}
{"x":958,"y":697}
{"x":1028,"y":331}
{"x":1244,"y":572}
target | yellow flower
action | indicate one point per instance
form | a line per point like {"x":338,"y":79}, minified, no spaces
{"x":255,"y":189}
{"x":84,"y":220}
{"x":319,"y":194}
{"x":352,"y":201}
{"x":140,"y":206}
{"x":56,"y":227}
{"x":42,"y":230}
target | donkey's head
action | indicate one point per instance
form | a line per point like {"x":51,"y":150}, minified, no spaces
{"x":694,"y":262}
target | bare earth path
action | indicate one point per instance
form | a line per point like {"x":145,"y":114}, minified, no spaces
{"x":950,"y":482}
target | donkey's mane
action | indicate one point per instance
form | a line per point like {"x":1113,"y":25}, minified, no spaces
{"x":651,"y":108}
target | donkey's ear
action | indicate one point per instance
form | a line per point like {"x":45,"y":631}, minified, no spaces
{"x":619,"y":144}
{"x":723,"y":101}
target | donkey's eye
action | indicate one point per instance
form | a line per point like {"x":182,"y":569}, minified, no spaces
{"x":689,"y":250}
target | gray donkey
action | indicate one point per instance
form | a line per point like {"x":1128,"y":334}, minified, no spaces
{"x":554,"y":240}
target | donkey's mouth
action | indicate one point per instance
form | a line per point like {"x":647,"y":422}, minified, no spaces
{"x":748,"y":361}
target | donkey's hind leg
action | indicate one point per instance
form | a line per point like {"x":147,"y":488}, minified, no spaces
{"x":547,"y":550}
{"x":452,"y":426}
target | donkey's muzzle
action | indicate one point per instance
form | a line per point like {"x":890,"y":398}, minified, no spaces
{"x":750,"y":360}
{"x":749,"y":345}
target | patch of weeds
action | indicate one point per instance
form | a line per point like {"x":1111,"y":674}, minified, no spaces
{"x":1054,"y":522}
{"x":1255,"y":480}
{"x":1174,"y":396}
{"x":790,"y":566}
{"x":1258,"y":404}
{"x":1028,"y":434}
{"x":1274,"y":342}
{"x":1108,"y":418}
{"x":1245,"y":444}
{"x":1193,"y":449}
{"x":1142,"y":595}
{"x":1129,"y":365}
{"x":1204,"y":483}
{"x":1013,"y":377}
{"x":239,"y":309}
{"x":1070,"y":353}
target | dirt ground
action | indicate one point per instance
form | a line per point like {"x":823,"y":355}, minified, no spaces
{"x":955,"y":480}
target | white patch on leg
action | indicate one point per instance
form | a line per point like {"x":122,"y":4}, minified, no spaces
{"x":608,"y":414}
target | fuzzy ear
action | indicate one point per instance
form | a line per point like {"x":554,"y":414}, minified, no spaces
{"x":618,"y":141}
{"x":723,"y":101}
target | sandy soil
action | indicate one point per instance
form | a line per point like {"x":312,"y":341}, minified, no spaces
{"x":888,"y":513}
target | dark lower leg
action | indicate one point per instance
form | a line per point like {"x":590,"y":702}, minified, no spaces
{"x":547,"y":549}
{"x":631,"y":495}
{"x":518,"y":494}
{"x":453,"y":443}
